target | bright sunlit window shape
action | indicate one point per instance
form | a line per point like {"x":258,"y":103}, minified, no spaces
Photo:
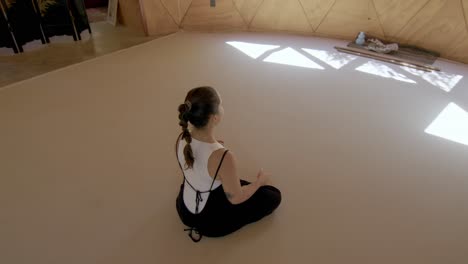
{"x":334,"y":59}
{"x":451,"y":124}
{"x":251,"y":49}
{"x":382,"y":70}
{"x":442,"y":80}
{"x":290,"y":56}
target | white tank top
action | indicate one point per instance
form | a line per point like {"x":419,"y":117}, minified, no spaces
{"x":198,"y":176}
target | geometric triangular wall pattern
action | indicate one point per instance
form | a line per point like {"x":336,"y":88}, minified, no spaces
{"x":346,"y":20}
{"x":439,"y":25}
{"x":280,"y":15}
{"x":316,"y":10}
{"x":247,"y":8}
{"x":161,"y":22}
{"x":395,"y":14}
{"x":177,"y":8}
{"x":224,"y":16}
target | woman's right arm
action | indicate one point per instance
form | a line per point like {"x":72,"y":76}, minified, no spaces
{"x":236,"y":193}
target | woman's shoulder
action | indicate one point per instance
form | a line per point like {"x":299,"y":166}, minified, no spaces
{"x":218,"y":154}
{"x":222,"y":158}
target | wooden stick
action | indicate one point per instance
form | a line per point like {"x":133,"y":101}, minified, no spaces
{"x":388,"y":58}
{"x":394,"y":58}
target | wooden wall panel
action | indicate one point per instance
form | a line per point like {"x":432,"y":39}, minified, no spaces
{"x":438,"y":26}
{"x":156,"y":18}
{"x":224,"y":16}
{"x":282,"y":15}
{"x":465,"y":8}
{"x":129,"y":14}
{"x":458,"y":51}
{"x":395,"y":14}
{"x":177,"y":8}
{"x":316,"y":10}
{"x":348,"y":18}
{"x":247,"y":8}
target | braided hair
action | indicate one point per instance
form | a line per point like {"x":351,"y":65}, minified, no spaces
{"x":200,"y":103}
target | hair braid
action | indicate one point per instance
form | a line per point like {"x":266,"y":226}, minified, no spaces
{"x":184,"y":118}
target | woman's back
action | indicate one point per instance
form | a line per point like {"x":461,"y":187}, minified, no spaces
{"x":198,"y":177}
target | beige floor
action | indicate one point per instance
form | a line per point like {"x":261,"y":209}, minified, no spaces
{"x":88,"y":173}
{"x":63,"y":51}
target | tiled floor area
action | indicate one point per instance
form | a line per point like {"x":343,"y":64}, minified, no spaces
{"x":63,"y":51}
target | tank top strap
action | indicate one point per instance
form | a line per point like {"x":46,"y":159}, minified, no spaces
{"x":219,"y":167}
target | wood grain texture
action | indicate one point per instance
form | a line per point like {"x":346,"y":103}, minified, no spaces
{"x":458,"y":51}
{"x":224,"y":16}
{"x":395,"y":14}
{"x":465,"y":8}
{"x":281,"y":15}
{"x":388,"y":58}
{"x":438,"y":26}
{"x":129,"y":14}
{"x":177,"y":8}
{"x":347,"y":18}
{"x":247,"y":8}
{"x":156,"y":18}
{"x":316,"y":10}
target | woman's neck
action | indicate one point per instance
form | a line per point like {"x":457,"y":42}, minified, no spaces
{"x":205,"y":135}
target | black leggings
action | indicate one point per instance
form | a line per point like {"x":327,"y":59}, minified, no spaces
{"x":220,"y":217}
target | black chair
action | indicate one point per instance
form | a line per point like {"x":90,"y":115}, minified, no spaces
{"x":7,"y":35}
{"x":79,"y":14}
{"x":37,"y":11}
{"x":23,"y":21}
{"x":64,"y":17}
{"x":56,"y":19}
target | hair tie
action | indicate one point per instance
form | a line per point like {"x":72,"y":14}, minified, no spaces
{"x":188,"y":104}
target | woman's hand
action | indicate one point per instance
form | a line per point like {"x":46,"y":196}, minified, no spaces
{"x":263,"y":178}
